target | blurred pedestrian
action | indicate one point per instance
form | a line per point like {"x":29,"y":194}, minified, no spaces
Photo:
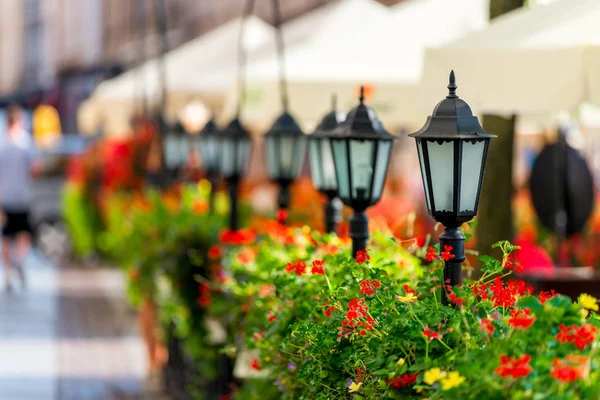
{"x":17,"y":166}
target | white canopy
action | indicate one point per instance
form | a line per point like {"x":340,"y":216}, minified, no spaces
{"x":362,"y":43}
{"x":532,"y":60}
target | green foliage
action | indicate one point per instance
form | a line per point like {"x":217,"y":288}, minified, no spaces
{"x":81,"y":218}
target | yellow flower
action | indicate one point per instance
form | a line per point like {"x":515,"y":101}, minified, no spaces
{"x":433,"y":375}
{"x":400,"y":361}
{"x":354,"y":387}
{"x":407,"y":299}
{"x":589,"y":302}
{"x":452,"y":380}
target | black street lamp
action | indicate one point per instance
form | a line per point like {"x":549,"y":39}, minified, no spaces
{"x":322,"y":168}
{"x":452,"y":148}
{"x":206,"y":142}
{"x":234,"y":146}
{"x":285,"y":146}
{"x":361,"y":153}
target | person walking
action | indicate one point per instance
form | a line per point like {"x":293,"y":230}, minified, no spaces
{"x":17,"y":167}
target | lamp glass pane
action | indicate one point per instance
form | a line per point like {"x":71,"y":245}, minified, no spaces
{"x":228,"y":158}
{"x":381,"y":166}
{"x":472,"y":162}
{"x":441,"y":163}
{"x":184,"y":150}
{"x":340,"y":158}
{"x":298,"y":152}
{"x":209,"y":150}
{"x":286,"y":159}
{"x":316,"y":167}
{"x":361,"y":163}
{"x":272,"y":157}
{"x":171,"y":151}
{"x":423,"y":172}
{"x":329,"y":180}
{"x":243,"y":151}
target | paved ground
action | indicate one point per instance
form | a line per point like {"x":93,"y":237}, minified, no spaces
{"x":70,"y":336}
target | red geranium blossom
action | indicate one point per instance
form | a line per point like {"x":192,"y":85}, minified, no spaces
{"x":521,"y":318}
{"x":362,"y":256}
{"x":546,"y":295}
{"x":459,"y":301}
{"x":514,"y":367}
{"x":255,"y":364}
{"x":215,"y":252}
{"x":245,"y":256}
{"x":570,"y":369}
{"x":432,"y":334}
{"x":580,"y":336}
{"x":399,"y":382}
{"x":239,"y":237}
{"x":486,"y":326}
{"x":369,"y":287}
{"x":272,"y":316}
{"x":317,"y":267}
{"x":299,"y":267}
{"x":446,"y":254}
{"x":282,"y":215}
{"x":430,"y":256}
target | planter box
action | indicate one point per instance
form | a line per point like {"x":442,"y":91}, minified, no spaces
{"x":566,"y":281}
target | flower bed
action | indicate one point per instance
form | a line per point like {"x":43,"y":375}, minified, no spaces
{"x":292,"y":315}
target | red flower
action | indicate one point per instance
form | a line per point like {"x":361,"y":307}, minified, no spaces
{"x":317,"y":267}
{"x":329,"y":310}
{"x":272,"y":316}
{"x":546,"y":295}
{"x":245,"y":256}
{"x":430,"y":256}
{"x":204,"y":298}
{"x":431,"y":334}
{"x":521,"y":318}
{"x":297,"y":266}
{"x":459,"y":301}
{"x":570,"y":369}
{"x":400,"y":382}
{"x":510,"y":263}
{"x":282,"y":215}
{"x":480,"y":290}
{"x":486,"y":326}
{"x":215,"y":252}
{"x":514,"y":367}
{"x":446,"y":254}
{"x":362,"y":256}
{"x":255,"y":364}
{"x":580,"y":336}
{"x":408,"y":290}
{"x":239,"y":237}
{"x":369,"y":287}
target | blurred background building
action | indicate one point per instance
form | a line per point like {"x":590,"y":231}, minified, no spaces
{"x":57,"y":51}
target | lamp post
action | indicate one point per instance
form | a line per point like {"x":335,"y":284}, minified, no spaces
{"x":207,"y":143}
{"x":452,"y":147}
{"x":235,"y":149}
{"x":322,"y":168}
{"x":361,"y":154}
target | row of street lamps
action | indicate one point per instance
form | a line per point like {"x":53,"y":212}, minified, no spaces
{"x":349,"y":161}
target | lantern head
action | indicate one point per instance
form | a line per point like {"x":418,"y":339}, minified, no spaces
{"x":452,"y":148}
{"x":361,"y":154}
{"x":235,"y":146}
{"x":285,"y":146}
{"x":207,"y":143}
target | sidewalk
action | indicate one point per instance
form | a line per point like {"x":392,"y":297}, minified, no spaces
{"x":70,"y":336}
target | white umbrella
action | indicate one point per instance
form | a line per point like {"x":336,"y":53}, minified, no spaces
{"x":361,"y":43}
{"x":532,"y":60}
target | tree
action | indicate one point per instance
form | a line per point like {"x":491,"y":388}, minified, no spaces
{"x":495,"y":213}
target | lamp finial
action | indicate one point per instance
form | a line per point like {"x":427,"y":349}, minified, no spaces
{"x":452,"y":86}
{"x":362,"y":95}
